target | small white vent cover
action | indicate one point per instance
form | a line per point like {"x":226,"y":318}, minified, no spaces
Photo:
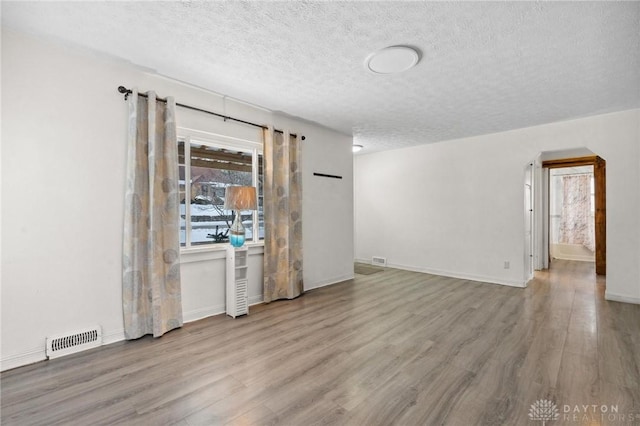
{"x":379,"y":261}
{"x":76,"y":341}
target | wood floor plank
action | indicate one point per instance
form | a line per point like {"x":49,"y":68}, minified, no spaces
{"x":390,"y":348}
{"x":578,"y":382}
{"x":438,"y":394}
{"x":260,"y":415}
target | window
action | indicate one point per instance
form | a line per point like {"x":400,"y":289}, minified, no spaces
{"x":207,"y":166}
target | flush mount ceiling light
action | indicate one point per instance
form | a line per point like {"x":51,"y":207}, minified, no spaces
{"x":391,"y":60}
{"x":356,"y":148}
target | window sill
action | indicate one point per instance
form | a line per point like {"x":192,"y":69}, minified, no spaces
{"x":212,"y":252}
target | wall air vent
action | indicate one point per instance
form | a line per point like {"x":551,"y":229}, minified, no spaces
{"x":379,"y":261}
{"x":76,"y":341}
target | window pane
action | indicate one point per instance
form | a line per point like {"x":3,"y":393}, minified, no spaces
{"x":182,"y":194}
{"x":212,"y":171}
{"x":260,"y":196}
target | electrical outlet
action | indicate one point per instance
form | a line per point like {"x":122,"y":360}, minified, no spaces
{"x":507,"y":265}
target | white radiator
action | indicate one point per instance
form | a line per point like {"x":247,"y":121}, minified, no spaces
{"x":75,"y":341}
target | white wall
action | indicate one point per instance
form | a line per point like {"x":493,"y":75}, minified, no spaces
{"x":63,"y":165}
{"x":455,"y":208}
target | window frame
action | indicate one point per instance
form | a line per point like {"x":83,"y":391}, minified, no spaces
{"x":214,"y":140}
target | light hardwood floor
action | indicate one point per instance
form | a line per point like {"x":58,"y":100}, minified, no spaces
{"x":394,"y":347}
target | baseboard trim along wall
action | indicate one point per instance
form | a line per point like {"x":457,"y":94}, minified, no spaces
{"x":462,"y":276}
{"x":255,"y":300}
{"x":205,"y":312}
{"x":40,"y":354}
{"x":621,"y":298}
{"x":210,"y":311}
{"x":113,"y":336}
{"x":330,"y":281}
{"x":577,"y":258}
{"x":26,"y":358}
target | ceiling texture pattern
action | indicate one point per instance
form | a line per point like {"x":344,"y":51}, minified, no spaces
{"x":485,"y":66}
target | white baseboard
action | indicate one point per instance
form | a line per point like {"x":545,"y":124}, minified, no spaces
{"x":255,"y":300}
{"x":577,"y":258}
{"x":329,"y":281}
{"x":621,"y":298}
{"x":112,"y":336}
{"x":39,"y":354}
{"x":201,"y":313}
{"x":210,"y":311}
{"x":459,"y":275}
{"x":29,"y":357}
{"x":528,"y":281}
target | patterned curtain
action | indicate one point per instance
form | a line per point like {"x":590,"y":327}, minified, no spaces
{"x":576,"y":223}
{"x":151,"y":297}
{"x":282,"y":217}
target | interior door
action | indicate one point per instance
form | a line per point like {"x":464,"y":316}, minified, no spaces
{"x":540,"y":229}
{"x":528,"y":235}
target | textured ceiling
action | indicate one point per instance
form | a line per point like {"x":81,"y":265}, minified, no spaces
{"x":486,"y":66}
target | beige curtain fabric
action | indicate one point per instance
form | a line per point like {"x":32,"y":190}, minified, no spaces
{"x":151,"y":296}
{"x":577,"y":223}
{"x":282,"y":217}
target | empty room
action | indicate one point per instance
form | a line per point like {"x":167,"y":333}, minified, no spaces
{"x":311,"y":212}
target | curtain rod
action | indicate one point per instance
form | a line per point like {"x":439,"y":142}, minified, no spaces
{"x":126,"y":92}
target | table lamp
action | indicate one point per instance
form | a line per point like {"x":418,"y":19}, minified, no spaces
{"x":239,"y":198}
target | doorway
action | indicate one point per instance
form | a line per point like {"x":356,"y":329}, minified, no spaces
{"x":571,"y":214}
{"x":599,"y":201}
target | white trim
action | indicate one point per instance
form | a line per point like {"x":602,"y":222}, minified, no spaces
{"x":189,"y":136}
{"x":190,"y":256}
{"x":255,"y":300}
{"x":329,"y":281}
{"x":186,"y":143}
{"x":529,"y":222}
{"x":577,"y":258}
{"x":211,"y":311}
{"x":220,"y":141}
{"x":19,"y":360}
{"x":255,"y":248}
{"x":112,"y":336}
{"x":214,"y":252}
{"x":187,"y":191}
{"x":463,"y":276}
{"x":39,"y":354}
{"x":202,"y":313}
{"x":613,"y":297}
{"x":459,"y":275}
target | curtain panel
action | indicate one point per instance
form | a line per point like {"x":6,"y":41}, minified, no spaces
{"x":282,"y":217}
{"x":576,"y":223}
{"x":151,"y":294}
